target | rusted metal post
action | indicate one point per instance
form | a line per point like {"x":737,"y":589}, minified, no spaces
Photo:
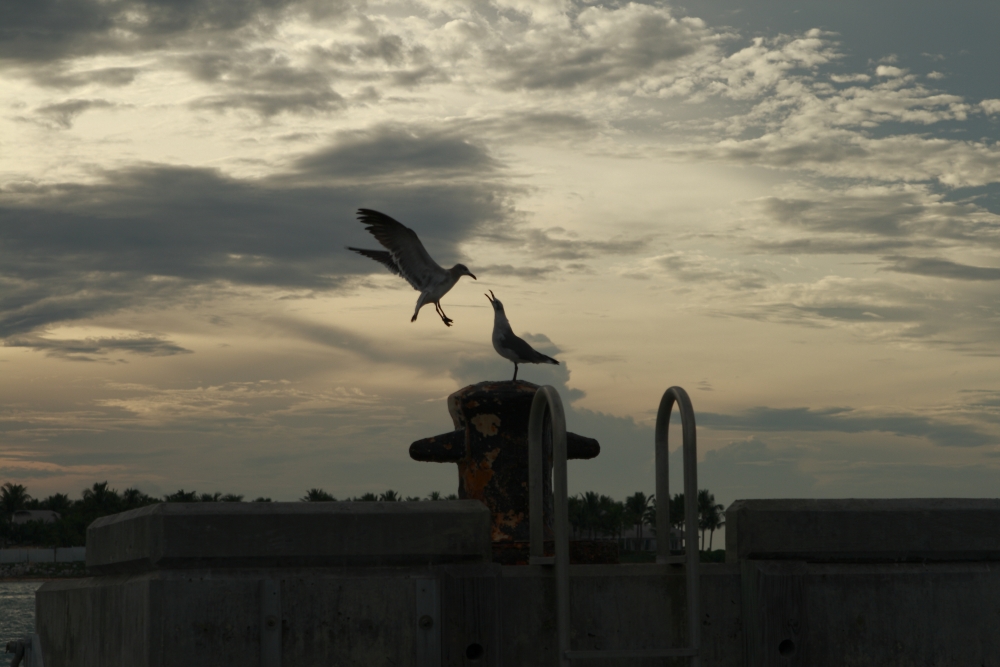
{"x":490,"y":447}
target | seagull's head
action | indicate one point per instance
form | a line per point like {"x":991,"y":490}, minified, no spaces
{"x":462,"y":270}
{"x":497,"y":306}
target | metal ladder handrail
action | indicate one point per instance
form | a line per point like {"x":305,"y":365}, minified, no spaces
{"x":547,"y":399}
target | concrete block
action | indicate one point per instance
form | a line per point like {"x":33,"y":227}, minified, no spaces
{"x":169,"y":535}
{"x":633,"y":606}
{"x":864,"y":530}
{"x":800,"y":614}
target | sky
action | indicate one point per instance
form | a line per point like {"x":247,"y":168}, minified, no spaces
{"x":790,"y":209}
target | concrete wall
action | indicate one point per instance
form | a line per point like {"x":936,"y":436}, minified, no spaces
{"x":369,"y":616}
{"x":59,"y":555}
{"x":811,"y":583}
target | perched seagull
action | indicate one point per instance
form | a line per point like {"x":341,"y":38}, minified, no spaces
{"x":407,"y":257}
{"x":510,"y":346}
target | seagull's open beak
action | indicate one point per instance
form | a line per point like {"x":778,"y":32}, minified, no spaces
{"x":489,"y":297}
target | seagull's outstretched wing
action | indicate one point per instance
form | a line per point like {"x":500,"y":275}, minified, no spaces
{"x":405,"y":249}
{"x":381,"y":256}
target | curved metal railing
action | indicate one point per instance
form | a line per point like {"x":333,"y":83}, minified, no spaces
{"x":547,"y":411}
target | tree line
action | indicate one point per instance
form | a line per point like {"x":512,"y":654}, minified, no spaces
{"x":591,"y":515}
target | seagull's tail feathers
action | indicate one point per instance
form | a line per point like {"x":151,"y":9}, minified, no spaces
{"x":543,"y":359}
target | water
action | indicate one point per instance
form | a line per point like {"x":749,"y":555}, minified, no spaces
{"x":17,"y":610}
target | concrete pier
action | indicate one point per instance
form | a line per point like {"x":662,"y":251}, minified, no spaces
{"x":807,"y":582}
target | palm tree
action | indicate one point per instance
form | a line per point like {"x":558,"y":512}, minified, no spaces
{"x":709,"y":515}
{"x":366,"y":497}
{"x":13,"y":497}
{"x":389,"y":496}
{"x":101,"y":500}
{"x":211,"y":497}
{"x":590,"y":512}
{"x":181,"y":496}
{"x":636,"y":506}
{"x":434,"y":495}
{"x":612,"y":517}
{"x":574,"y":512}
{"x":231,"y":498}
{"x":132,"y":498}
{"x":317,"y":496}
{"x":58,"y":502}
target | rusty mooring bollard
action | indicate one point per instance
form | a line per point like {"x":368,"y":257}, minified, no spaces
{"x":490,"y":446}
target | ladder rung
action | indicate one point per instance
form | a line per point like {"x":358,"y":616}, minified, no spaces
{"x":634,"y":653}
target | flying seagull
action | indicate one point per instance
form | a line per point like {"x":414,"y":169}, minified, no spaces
{"x":405,"y":256}
{"x":510,"y":346}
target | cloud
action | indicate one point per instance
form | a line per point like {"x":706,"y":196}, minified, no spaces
{"x":872,"y":219}
{"x":60,"y":77}
{"x":857,"y":467}
{"x":151,"y":232}
{"x":832,"y":246}
{"x":689,"y":267}
{"x":94,"y":349}
{"x":559,"y":243}
{"x":523,"y":272}
{"x":394,"y":151}
{"x":63,"y":113}
{"x":263,"y":80}
{"x":941,"y":268}
{"x":604,"y":47}
{"x":34,"y":32}
{"x":846,"y":420}
{"x":793,"y":118}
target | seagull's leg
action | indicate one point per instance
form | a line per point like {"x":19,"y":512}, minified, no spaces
{"x":444,"y":318}
{"x":515,"y":372}
{"x":420,"y":304}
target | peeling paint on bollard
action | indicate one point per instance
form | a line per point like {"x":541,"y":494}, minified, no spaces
{"x":490,"y":446}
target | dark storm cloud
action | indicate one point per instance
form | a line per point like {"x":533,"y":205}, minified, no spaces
{"x":95,"y":349}
{"x":63,"y":113}
{"x":47,"y":30}
{"x":936,"y":267}
{"x":393,"y":151}
{"x":844,"y":420}
{"x":72,"y":250}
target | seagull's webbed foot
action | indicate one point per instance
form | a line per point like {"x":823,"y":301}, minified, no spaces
{"x":444,"y":318}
